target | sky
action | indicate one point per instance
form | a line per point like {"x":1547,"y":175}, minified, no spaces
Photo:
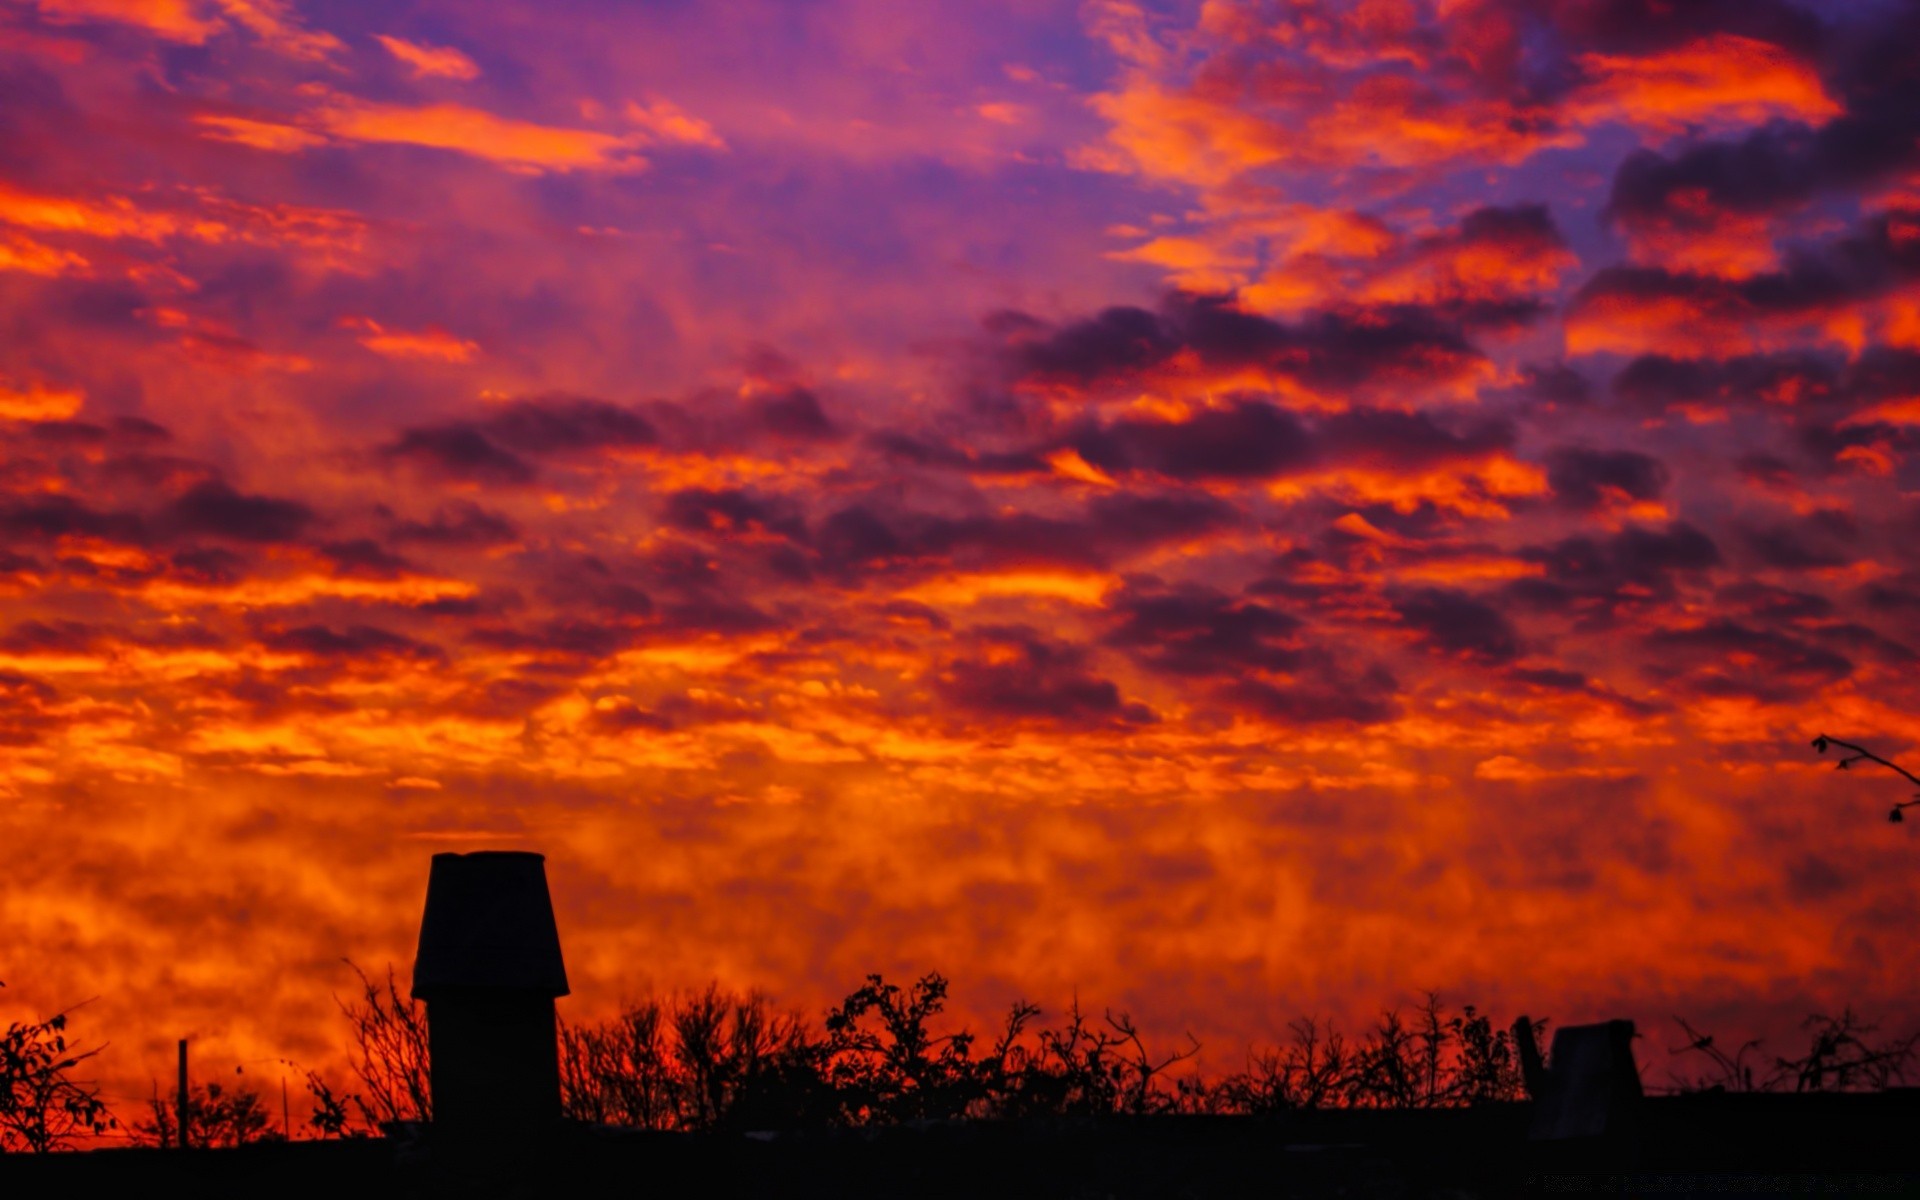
{"x":1231,"y":511}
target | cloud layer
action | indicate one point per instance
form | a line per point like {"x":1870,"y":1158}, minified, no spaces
{"x":1240,"y":509}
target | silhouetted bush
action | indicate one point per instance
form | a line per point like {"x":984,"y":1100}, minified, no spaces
{"x":42,"y":1106}
{"x":1839,"y":1058}
{"x":721,"y":1060}
{"x":389,"y":1055}
{"x":717,"y":1060}
{"x":215,"y":1116}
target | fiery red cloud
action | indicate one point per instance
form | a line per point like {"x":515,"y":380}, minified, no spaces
{"x":1237,"y":509}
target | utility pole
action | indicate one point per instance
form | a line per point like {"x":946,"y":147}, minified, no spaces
{"x":180,"y":1108}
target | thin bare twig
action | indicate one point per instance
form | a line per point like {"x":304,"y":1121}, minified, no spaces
{"x":1862,"y":754}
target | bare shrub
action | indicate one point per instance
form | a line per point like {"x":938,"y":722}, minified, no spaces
{"x":389,"y":1052}
{"x":215,"y":1116}
{"x":42,"y":1106}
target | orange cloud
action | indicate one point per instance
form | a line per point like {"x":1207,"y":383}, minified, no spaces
{"x":21,"y":253}
{"x":516,"y":144}
{"x":175,"y":20}
{"x":260,"y":135}
{"x":1720,"y":81}
{"x":274,"y":23}
{"x":218,"y":345}
{"x":431,"y":342}
{"x":1690,"y":233}
{"x":109,"y":217}
{"x":442,"y":62}
{"x":38,"y":402}
{"x":664,"y":121}
{"x":193,"y":22}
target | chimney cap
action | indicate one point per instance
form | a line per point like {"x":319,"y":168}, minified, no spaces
{"x":489,"y":925}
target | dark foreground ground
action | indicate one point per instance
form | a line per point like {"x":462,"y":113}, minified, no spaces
{"x":1716,"y":1145}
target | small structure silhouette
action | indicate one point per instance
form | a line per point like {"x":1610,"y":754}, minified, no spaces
{"x":1590,"y":1087}
{"x":489,"y":969}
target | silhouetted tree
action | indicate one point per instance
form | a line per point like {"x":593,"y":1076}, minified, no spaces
{"x":42,"y":1106}
{"x":331,"y":1116}
{"x":389,"y":1054}
{"x":1840,"y":1057}
{"x":1488,"y":1066}
{"x":887,"y":1065}
{"x":1862,"y":754}
{"x":709,"y":1060}
{"x":215,"y":1116}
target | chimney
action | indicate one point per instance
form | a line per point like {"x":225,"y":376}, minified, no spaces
{"x":489,"y":969}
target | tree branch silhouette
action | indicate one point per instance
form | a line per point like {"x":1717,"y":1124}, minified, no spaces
{"x":1862,"y":754}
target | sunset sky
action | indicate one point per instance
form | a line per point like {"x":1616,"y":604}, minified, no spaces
{"x":1236,"y":509}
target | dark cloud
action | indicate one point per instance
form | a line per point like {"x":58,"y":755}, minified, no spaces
{"x":565,"y":425}
{"x":1768,"y":603}
{"x":1131,"y":519}
{"x":27,"y":707}
{"x":922,"y":451}
{"x":1764,"y":470}
{"x":1410,"y":441}
{"x":495,"y":449}
{"x":511,"y":698}
{"x":1826,"y":538}
{"x":461,"y":452}
{"x":794,"y":414}
{"x":589,"y":583}
{"x":1727,"y":658}
{"x":1553,"y":679}
{"x":1366,"y":699}
{"x":1795,"y":382}
{"x":1648,"y":26}
{"x":1581,"y":477}
{"x":733,"y":510}
{"x":67,"y":433}
{"x":141,"y":430}
{"x":1248,"y":439}
{"x":1329,"y":351}
{"x":871,"y":535}
{"x":358,"y":642}
{"x":208,"y":566}
{"x":214,"y":509}
{"x":52,"y":637}
{"x":1455,"y":625}
{"x":1782,"y":167}
{"x":365,"y":558}
{"x":1019,"y":674}
{"x":619,"y":715}
{"x":1594,"y":578}
{"x":1855,"y":447}
{"x":1200,"y":631}
{"x":1555,"y":385}
{"x":717,"y":613}
{"x":1876,"y":258}
{"x":460,"y":523}
{"x":1252,"y":439}
{"x":46,"y":517}
{"x":570,"y":637}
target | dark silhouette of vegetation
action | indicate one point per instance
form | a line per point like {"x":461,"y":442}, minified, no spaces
{"x":718,"y":1060}
{"x":388,"y":1058}
{"x":1858,"y":754}
{"x":330,"y":1116}
{"x":42,"y":1106}
{"x":389,"y":1054}
{"x":215,"y":1116}
{"x":1839,"y":1058}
